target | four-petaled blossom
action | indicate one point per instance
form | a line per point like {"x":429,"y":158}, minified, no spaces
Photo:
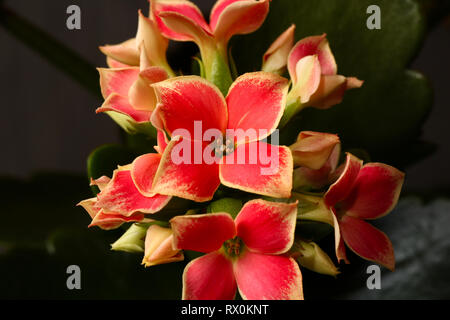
{"x":363,"y":192}
{"x":313,"y":72}
{"x":247,"y":253}
{"x":120,"y":199}
{"x":255,"y":104}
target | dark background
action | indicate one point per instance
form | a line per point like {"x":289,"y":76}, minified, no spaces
{"x":49,"y":124}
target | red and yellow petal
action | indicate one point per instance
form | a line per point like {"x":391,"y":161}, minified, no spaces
{"x":307,"y":79}
{"x":339,"y":190}
{"x":256,"y":102}
{"x":179,"y":20}
{"x":126,"y":52}
{"x":268,"y":277}
{"x":202,"y":232}
{"x":122,"y":197}
{"x":183,"y":172}
{"x":120,"y":104}
{"x":110,"y":221}
{"x":185,"y":101}
{"x":209,"y":277}
{"x":117,"y":81}
{"x":143,"y":171}
{"x":259,"y":168}
{"x":339,"y":245}
{"x":314,"y":45}
{"x":230,"y":17}
{"x":367,"y":241}
{"x":275,"y":58}
{"x":267,"y":227}
{"x":375,"y":191}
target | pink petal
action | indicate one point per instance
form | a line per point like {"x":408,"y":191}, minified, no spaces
{"x":143,"y":171}
{"x":185,"y":100}
{"x":202,"y":232}
{"x":180,"y":174}
{"x":230,"y":17}
{"x":307,"y":79}
{"x":339,"y":190}
{"x":101,"y":182}
{"x":367,"y":241}
{"x":120,"y":104}
{"x":331,"y":91}
{"x":114,"y":64}
{"x":141,"y":95}
{"x":256,"y":101}
{"x":259,"y":168}
{"x":267,"y":227}
{"x":90,"y":205}
{"x":209,"y":277}
{"x":126,"y":52}
{"x":313,"y":149}
{"x":315,"y":45}
{"x":122,"y":197}
{"x":276,"y":57}
{"x":341,"y":253}
{"x":375,"y":191}
{"x":268,"y":277}
{"x":179,"y":20}
{"x":162,"y":142}
{"x":117,"y":80}
{"x":110,"y":221}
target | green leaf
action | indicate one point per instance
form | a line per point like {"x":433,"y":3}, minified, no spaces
{"x":229,"y":205}
{"x":390,"y":108}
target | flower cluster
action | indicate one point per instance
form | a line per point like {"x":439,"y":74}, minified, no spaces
{"x":242,"y":195}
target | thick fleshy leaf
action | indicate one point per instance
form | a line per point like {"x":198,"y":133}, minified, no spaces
{"x":121,"y":196}
{"x":276,"y":57}
{"x":188,"y":101}
{"x":179,"y":20}
{"x":313,"y":149}
{"x":117,"y":80}
{"x":143,"y":171}
{"x":267,"y":227}
{"x":314,"y":45}
{"x":339,"y":190}
{"x":184,"y":173}
{"x":256,"y":102}
{"x":126,"y":52}
{"x":367,"y":241}
{"x":259,"y":168}
{"x":268,"y":277}
{"x":331,"y":90}
{"x":141,"y":95}
{"x":375,"y":191}
{"x":209,"y":277}
{"x":230,"y":17}
{"x":202,"y":232}
{"x":121,"y":105}
{"x":307,"y":79}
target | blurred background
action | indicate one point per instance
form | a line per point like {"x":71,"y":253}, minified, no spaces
{"x":49,"y":127}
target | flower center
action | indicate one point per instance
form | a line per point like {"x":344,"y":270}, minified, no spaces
{"x":233,"y":247}
{"x":223,"y":149}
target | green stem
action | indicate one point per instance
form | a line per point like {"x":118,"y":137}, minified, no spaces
{"x":51,"y":49}
{"x":216,"y":67}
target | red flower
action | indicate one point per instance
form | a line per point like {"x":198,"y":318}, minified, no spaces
{"x":246,"y":253}
{"x":363,"y":192}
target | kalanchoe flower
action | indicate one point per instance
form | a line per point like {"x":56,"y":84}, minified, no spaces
{"x":148,"y":41}
{"x":317,"y":155}
{"x":182,"y":20}
{"x":311,"y":256}
{"x":255,"y":102}
{"x":276,"y":57}
{"x":120,"y":200}
{"x":363,"y":192}
{"x":247,"y":253}
{"x":158,"y":247}
{"x":315,"y":82}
